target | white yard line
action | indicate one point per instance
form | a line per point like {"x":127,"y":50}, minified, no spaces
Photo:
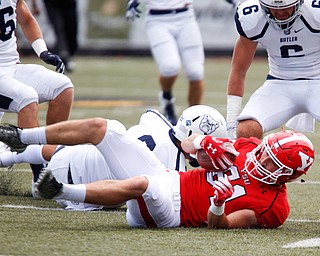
{"x":313,"y":242}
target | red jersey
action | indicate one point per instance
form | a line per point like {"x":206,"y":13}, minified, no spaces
{"x":270,"y":203}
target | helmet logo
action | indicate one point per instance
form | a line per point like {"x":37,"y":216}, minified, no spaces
{"x":208,"y":125}
{"x":306,"y":161}
{"x":188,"y":123}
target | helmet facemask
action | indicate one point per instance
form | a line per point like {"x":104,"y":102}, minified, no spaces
{"x":291,"y":153}
{"x":256,"y":170}
{"x":266,"y":5}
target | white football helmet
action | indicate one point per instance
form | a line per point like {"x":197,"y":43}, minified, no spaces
{"x":266,"y":5}
{"x":200,"y":119}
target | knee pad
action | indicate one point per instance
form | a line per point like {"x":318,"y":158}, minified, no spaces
{"x":169,"y":68}
{"x":194,"y":71}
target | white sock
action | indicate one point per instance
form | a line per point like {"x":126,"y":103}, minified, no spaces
{"x":73,"y":192}
{"x":7,"y":158}
{"x":32,"y":155}
{"x":35,"y":135}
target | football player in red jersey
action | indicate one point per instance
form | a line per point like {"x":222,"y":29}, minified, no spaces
{"x":250,"y":193}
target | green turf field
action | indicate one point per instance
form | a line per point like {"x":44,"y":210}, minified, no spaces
{"x":122,"y":88}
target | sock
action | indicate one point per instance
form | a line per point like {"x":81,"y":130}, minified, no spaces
{"x":35,"y":135}
{"x":167,"y":95}
{"x":7,"y":158}
{"x":32,"y":155}
{"x":36,"y":169}
{"x":73,"y":192}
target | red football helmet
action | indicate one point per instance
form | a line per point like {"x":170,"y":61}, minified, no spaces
{"x":291,"y":152}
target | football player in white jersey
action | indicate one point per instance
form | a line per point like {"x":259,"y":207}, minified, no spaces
{"x":24,"y":86}
{"x":289,"y":30}
{"x":174,"y":37}
{"x":84,"y":163}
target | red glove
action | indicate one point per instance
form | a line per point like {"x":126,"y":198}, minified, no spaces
{"x":216,"y":149}
{"x":222,"y":190}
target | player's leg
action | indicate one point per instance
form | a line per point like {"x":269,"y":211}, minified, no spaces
{"x":104,"y":192}
{"x":18,"y":97}
{"x":160,"y":205}
{"x":192,"y":55}
{"x":70,"y":132}
{"x":166,"y":55}
{"x":269,"y":107}
{"x":126,"y":155}
{"x":32,"y":155}
{"x":54,"y":88}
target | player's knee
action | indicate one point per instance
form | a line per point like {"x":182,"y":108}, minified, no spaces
{"x":65,"y":98}
{"x":95,"y":128}
{"x":249,"y":128}
{"x":169,"y":68}
{"x":195,"y":72}
{"x":138,"y":185}
{"x":30,"y":108}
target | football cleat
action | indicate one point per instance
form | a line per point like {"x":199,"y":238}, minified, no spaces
{"x":10,"y":135}
{"x":167,"y":108}
{"x":47,"y":186}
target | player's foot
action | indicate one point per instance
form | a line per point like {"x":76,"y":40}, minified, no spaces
{"x":47,"y":186}
{"x":4,"y":153}
{"x":167,"y":108}
{"x":10,"y":135}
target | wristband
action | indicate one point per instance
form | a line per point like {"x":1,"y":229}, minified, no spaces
{"x":39,"y":46}
{"x":197,"y":141}
{"x":217,"y":210}
{"x":233,"y":107}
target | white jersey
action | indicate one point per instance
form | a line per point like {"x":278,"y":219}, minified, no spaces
{"x":166,"y":4}
{"x":293,"y":53}
{"x":155,"y":130}
{"x":8,"y":42}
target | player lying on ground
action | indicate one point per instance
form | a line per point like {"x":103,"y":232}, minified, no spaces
{"x":84,"y":163}
{"x":249,"y":193}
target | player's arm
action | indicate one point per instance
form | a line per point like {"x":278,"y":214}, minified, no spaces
{"x":223,"y":189}
{"x":188,"y":145}
{"x":240,"y":219}
{"x":242,"y":58}
{"x":28,"y":23}
{"x":32,"y":32}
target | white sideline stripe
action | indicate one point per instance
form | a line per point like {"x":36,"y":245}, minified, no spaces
{"x":29,"y":207}
{"x":310,"y":221}
{"x":113,"y":211}
{"x":313,"y":242}
{"x":49,"y":209}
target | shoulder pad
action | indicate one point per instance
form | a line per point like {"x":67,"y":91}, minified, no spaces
{"x":310,"y":15}
{"x":250,"y":20}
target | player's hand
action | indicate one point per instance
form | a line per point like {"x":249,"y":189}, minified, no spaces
{"x":232,"y":130}
{"x":217,"y":149}
{"x":132,"y":10}
{"x":222,"y":190}
{"x":54,"y":60}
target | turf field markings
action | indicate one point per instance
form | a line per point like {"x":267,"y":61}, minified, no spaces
{"x":302,"y":220}
{"x":313,"y":242}
{"x":30,"y":207}
{"x":13,"y":206}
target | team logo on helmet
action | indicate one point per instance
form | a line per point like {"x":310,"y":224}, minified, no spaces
{"x":208,"y":125}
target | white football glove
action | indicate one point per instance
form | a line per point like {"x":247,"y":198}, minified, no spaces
{"x":132,"y":10}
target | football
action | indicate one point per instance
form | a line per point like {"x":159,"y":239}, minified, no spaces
{"x":206,"y":163}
